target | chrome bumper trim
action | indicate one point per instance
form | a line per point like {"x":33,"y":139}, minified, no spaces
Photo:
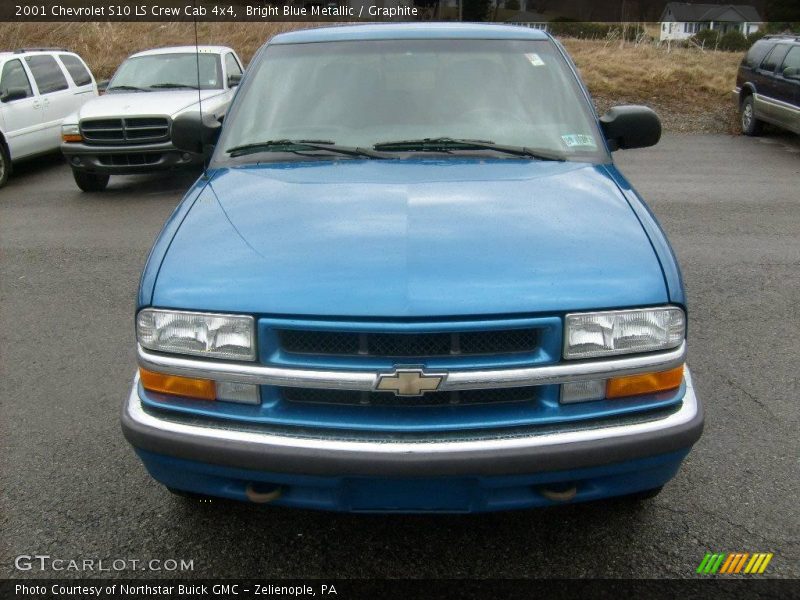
{"x":135,"y":416}
{"x":453,"y":380}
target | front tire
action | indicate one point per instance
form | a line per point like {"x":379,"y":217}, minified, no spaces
{"x":193,"y":496}
{"x":750,"y":125}
{"x":90,"y":182}
{"x":5,"y":164}
{"x":644,"y":494}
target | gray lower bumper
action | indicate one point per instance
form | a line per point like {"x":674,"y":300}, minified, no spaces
{"x":275,"y":451}
{"x":126,"y":160}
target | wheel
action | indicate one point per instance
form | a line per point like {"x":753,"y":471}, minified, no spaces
{"x":750,"y":125}
{"x":5,"y":164}
{"x":189,"y":495}
{"x":90,"y":182}
{"x":644,"y":494}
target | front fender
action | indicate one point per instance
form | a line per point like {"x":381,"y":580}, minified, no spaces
{"x":666,"y":255}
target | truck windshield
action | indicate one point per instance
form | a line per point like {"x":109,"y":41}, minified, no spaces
{"x":413,"y":96}
{"x":167,"y":72}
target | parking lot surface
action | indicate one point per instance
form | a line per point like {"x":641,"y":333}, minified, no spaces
{"x":71,"y":487}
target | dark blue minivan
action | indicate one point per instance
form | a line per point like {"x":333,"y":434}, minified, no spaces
{"x":412,"y":279}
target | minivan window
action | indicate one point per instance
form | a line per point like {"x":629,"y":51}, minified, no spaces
{"x":48,"y":75}
{"x":76,"y":69}
{"x":792,"y":60}
{"x":757,"y":53}
{"x":14,"y":77}
{"x":359,"y":94}
{"x":774,"y":58}
{"x":178,"y":70}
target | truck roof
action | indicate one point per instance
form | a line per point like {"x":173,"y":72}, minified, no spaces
{"x":33,"y":51}
{"x":182,"y":49}
{"x":405,"y":31}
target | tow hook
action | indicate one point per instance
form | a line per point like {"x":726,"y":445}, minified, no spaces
{"x":262,"y":497}
{"x":561,"y":495}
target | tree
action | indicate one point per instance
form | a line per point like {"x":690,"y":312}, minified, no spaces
{"x":707,"y":38}
{"x":475,"y":10}
{"x":733,"y":41}
{"x":783,"y":11}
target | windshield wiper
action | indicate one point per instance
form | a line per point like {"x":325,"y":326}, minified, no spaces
{"x":447,"y":144}
{"x":300,"y":146}
{"x":127,"y":88}
{"x":173,"y":86}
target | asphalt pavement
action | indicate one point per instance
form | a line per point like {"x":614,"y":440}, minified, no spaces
{"x":72,"y":488}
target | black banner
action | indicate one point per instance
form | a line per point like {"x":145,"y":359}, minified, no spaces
{"x":360,"y":10}
{"x":411,"y":589}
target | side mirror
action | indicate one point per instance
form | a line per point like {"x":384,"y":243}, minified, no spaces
{"x":12,"y":94}
{"x":234,"y":79}
{"x":102,"y":86}
{"x":195,"y":134}
{"x":631,"y":127}
{"x":791,"y":73}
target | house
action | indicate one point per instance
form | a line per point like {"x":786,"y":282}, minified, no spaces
{"x":681,"y":20}
{"x":534,"y":20}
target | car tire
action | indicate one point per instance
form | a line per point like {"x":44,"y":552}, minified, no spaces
{"x":644,"y":494}
{"x":188,"y":495}
{"x":90,"y":182}
{"x":750,"y":125}
{"x":5,"y":164}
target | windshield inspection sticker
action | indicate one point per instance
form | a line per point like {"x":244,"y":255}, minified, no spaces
{"x":575,"y":140}
{"x":534,"y":59}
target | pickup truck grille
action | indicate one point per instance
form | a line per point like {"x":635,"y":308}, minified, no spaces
{"x":133,"y":130}
{"x":436,"y":345}
{"x":408,"y":345}
{"x":488,"y":396}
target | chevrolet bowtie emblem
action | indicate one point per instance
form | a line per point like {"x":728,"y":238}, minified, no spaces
{"x":409,"y":382}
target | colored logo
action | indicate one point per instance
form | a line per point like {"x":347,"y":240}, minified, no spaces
{"x":409,"y":382}
{"x":734,"y":563}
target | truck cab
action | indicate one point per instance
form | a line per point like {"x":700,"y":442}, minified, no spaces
{"x":411,"y":280}
{"x":127,"y":130}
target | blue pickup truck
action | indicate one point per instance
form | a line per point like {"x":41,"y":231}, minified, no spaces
{"x":412,"y":279}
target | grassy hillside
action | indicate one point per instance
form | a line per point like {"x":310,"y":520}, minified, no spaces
{"x":690,"y":88}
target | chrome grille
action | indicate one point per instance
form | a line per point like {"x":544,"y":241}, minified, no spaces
{"x":132,"y":130}
{"x":354,"y":397}
{"x":408,"y":345}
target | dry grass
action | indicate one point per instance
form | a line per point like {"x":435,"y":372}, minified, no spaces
{"x":105,"y":45}
{"x":689,"y":87}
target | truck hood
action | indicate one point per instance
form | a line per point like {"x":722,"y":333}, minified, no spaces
{"x":137,"y":104}
{"x":410,"y":239}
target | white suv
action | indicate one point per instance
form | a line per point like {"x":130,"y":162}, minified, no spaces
{"x":127,"y":130}
{"x":38,"y":88}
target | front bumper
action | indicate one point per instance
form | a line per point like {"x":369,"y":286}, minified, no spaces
{"x":126,"y":159}
{"x":263,"y":448}
{"x":417,"y":494}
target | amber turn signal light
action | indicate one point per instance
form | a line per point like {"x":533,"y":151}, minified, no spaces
{"x":200,"y":389}
{"x":71,"y":138}
{"x":648,"y":383}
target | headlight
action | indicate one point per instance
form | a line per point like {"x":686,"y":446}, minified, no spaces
{"x":608,"y":333}
{"x":71,"y":133}
{"x":201,"y":334}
